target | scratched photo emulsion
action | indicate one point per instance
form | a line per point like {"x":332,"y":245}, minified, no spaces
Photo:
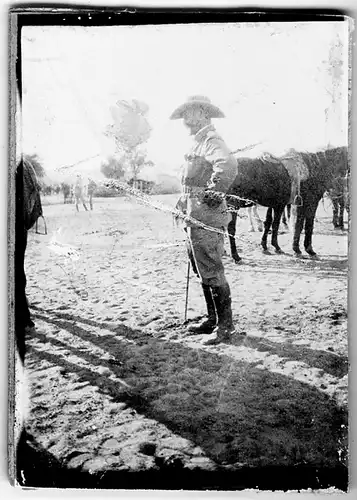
{"x":181,"y":256}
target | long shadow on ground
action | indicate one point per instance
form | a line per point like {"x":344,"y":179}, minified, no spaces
{"x":326,"y":265}
{"x":235,"y":411}
{"x":330,"y":362}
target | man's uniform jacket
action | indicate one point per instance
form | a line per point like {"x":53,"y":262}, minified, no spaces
{"x":209,"y":165}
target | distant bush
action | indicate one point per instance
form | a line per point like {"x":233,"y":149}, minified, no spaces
{"x":103,"y":192}
{"x":162,"y":189}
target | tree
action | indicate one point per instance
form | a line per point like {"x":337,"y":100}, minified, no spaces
{"x":130,"y":130}
{"x":113,"y":168}
{"x":37,"y":165}
{"x":136,"y":160}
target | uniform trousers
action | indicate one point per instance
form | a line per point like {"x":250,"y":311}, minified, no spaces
{"x":206,"y":249}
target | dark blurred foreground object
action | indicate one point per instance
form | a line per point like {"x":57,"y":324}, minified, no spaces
{"x":38,"y":468}
{"x":27,"y":211}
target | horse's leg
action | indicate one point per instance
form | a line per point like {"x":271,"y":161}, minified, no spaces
{"x":346,"y":198}
{"x":251,"y":225}
{"x":335,"y":212}
{"x":267,"y":224}
{"x":286,"y":216}
{"x":299,"y":224}
{"x":231,"y":236}
{"x":84,"y":203}
{"x":257,"y":218}
{"x":310,"y":212}
{"x":275,"y":227}
{"x":347,"y":207}
{"x":342,"y":212}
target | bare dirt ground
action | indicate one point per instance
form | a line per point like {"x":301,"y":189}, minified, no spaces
{"x":118,"y":385}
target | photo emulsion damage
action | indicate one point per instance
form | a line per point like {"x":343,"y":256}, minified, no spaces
{"x":179,"y":242}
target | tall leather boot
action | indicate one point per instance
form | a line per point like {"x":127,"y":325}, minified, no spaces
{"x":207,"y":326}
{"x":223,"y":302}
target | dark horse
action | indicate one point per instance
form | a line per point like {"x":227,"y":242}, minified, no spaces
{"x":268,"y":183}
{"x":324,"y":167}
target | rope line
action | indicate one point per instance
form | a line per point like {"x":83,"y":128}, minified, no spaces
{"x":146,"y":200}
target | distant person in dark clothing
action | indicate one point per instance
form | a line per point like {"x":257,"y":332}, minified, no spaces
{"x":91,"y":190}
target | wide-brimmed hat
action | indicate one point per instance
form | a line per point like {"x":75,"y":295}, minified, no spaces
{"x":197,"y":101}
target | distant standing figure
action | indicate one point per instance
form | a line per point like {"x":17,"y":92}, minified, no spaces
{"x":71,"y":195}
{"x":91,"y":190}
{"x":66,"y":188}
{"x":79,"y":192}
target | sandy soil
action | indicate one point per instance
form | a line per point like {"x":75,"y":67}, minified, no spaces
{"x":118,"y":385}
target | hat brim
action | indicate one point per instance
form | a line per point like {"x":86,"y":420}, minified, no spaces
{"x":212,"y":110}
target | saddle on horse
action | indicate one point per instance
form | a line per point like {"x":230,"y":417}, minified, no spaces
{"x":298,"y":171}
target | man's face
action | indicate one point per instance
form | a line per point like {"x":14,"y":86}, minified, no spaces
{"x":193,"y":119}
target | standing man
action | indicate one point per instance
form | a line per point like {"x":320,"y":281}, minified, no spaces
{"x":79,"y":192}
{"x":209,"y":171}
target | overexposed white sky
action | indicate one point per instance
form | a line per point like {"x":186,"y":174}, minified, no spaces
{"x":270,"y":79}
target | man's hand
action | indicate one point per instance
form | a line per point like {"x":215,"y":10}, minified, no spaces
{"x":212,"y":198}
{"x":181,"y":205}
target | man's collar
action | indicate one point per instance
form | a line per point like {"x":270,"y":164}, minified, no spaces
{"x":203,"y":131}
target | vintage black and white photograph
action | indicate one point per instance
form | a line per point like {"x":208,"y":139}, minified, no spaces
{"x":181,"y":243}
